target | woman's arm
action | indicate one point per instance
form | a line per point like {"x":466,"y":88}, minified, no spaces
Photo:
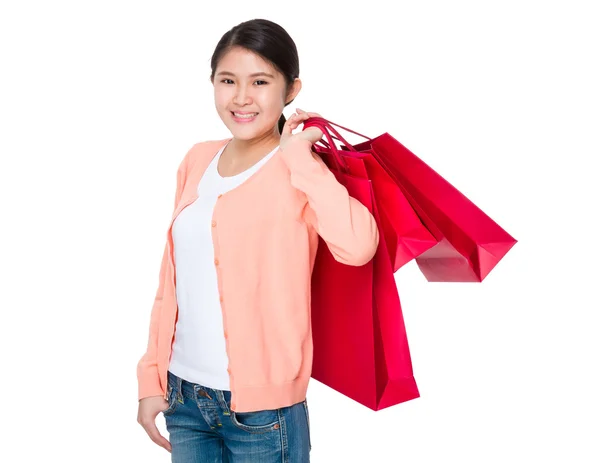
{"x":147,"y":367}
{"x":344,"y":223}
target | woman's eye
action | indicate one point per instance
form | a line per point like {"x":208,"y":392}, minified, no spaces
{"x":262,"y":81}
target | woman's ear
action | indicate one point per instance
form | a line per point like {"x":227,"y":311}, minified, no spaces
{"x":294,"y":90}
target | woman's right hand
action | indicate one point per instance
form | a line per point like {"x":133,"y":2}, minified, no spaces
{"x":148,"y":408}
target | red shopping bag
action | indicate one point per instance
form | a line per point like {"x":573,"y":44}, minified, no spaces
{"x":359,"y":337}
{"x":469,"y":243}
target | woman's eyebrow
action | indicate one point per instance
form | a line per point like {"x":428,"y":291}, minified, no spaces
{"x":256,"y":74}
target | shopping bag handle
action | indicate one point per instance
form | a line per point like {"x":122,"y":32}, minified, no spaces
{"x":321,"y":122}
{"x":339,"y":160}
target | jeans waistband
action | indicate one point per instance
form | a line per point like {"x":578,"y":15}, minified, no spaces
{"x":197,"y":391}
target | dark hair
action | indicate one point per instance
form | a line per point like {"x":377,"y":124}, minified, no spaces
{"x":267,"y":39}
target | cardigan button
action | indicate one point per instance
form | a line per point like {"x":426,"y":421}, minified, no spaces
{"x":216,"y":261}
{"x":214,"y":224}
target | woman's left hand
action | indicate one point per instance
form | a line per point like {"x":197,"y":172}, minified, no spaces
{"x":312,"y":134}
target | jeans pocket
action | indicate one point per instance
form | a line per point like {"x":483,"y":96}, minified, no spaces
{"x":257,"y":421}
{"x":307,"y":422}
{"x":172,"y":399}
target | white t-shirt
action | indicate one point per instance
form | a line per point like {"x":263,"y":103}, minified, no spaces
{"x":199,"y":353}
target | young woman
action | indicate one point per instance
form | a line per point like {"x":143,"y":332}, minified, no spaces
{"x":230,"y":348}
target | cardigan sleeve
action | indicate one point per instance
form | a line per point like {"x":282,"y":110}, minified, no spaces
{"x":345,"y":224}
{"x":147,"y":367}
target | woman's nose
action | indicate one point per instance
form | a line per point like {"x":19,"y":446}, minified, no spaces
{"x":241,"y":96}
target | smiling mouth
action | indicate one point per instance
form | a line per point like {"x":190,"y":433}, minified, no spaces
{"x":243,"y":118}
{"x":250,"y":115}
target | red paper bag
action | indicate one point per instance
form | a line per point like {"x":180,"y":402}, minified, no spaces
{"x":469,"y":243}
{"x":359,"y":338}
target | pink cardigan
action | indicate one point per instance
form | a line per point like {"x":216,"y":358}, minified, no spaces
{"x":265,"y":237}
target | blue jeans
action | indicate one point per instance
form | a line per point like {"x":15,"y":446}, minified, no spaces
{"x":202,"y":428}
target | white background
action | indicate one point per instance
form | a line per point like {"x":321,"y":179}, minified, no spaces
{"x":101,"y":100}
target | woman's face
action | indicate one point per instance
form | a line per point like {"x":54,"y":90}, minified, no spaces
{"x":237,"y":89}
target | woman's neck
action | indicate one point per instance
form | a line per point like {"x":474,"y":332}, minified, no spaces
{"x":239,"y":155}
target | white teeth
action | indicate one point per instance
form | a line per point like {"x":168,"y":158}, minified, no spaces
{"x":245,"y":116}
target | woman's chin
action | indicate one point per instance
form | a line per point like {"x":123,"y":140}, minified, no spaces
{"x":246,"y":133}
